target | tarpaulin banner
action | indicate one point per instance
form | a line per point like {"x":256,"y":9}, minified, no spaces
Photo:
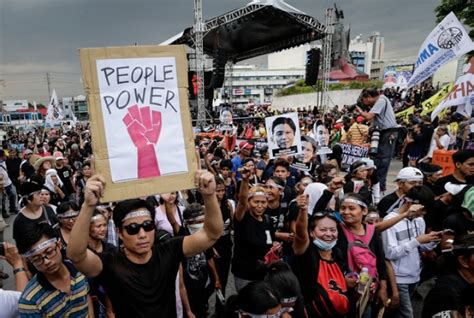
{"x":448,"y":41}
{"x":397,"y":75}
{"x":405,"y":114}
{"x":461,"y":95}
{"x":430,"y":104}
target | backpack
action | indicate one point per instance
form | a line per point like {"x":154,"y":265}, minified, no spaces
{"x":358,"y":251}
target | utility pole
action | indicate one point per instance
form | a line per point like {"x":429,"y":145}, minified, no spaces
{"x":48,"y":81}
{"x":199,"y":47}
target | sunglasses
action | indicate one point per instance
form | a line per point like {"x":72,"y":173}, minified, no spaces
{"x":134,"y":228}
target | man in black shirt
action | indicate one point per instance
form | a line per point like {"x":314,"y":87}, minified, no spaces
{"x":447,"y":295}
{"x":407,"y":178}
{"x":65,"y":174}
{"x":140,"y":279}
{"x":463,"y":174}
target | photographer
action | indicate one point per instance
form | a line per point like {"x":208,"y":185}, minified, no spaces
{"x":383,"y":120}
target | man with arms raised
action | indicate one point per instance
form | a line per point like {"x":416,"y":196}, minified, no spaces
{"x":140,"y":278}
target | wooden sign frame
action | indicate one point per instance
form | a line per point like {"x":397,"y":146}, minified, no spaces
{"x":139,"y":187}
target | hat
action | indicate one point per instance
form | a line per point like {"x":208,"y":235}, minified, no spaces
{"x":40,"y":161}
{"x":360,"y":119}
{"x":28,"y":152}
{"x":58,"y":155}
{"x":410,"y":174}
{"x":429,"y":169}
{"x":358,"y":165}
{"x":369,"y":163}
{"x":29,"y":187}
{"x":245,"y":145}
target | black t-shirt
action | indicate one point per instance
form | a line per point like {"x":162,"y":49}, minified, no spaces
{"x":386,"y":202}
{"x":22,"y":224}
{"x":143,"y":290}
{"x":65,"y":174}
{"x":439,"y":185}
{"x":223,"y":246}
{"x":277,"y":217}
{"x":252,"y":241}
{"x":459,"y":223}
{"x":445,"y":295}
{"x":27,"y":169}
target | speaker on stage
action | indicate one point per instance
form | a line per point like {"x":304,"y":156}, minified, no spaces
{"x":218,"y":74}
{"x":312,"y":66}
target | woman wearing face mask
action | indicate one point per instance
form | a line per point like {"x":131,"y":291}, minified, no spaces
{"x":353,"y":209}
{"x":320,"y":263}
{"x":253,"y":233}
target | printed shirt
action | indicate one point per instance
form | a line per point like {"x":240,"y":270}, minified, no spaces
{"x":41,"y":299}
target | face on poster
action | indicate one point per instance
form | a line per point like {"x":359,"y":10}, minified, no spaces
{"x":142,"y":117}
{"x":225,"y":118}
{"x":284,"y":136}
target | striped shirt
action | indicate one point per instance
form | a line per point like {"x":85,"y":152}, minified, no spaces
{"x":41,"y":299}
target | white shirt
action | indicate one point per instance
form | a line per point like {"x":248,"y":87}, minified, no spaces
{"x":4,"y":173}
{"x":444,"y":140}
{"x":9,"y":303}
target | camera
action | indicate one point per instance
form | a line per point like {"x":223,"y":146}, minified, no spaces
{"x":374,"y":141}
{"x":352,"y":108}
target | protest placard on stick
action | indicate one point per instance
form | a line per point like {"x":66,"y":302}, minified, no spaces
{"x":140,"y":121}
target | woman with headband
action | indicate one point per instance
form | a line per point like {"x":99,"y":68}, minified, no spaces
{"x":67,"y":213}
{"x":368,"y":254}
{"x":357,"y":181}
{"x":320,"y":263}
{"x":253,"y":233}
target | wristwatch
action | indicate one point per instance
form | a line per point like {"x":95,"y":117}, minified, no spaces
{"x":18,"y":270}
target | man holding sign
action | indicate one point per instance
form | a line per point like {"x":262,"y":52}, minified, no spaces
{"x":140,"y":278}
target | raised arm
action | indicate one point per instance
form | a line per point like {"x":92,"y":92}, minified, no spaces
{"x":301,"y":242}
{"x":170,"y":215}
{"x":243,"y":195}
{"x":86,"y":261}
{"x":213,"y":224}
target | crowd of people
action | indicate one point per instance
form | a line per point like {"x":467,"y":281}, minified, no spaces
{"x":257,"y":237}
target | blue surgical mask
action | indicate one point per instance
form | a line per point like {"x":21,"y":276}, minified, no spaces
{"x":325,"y":246}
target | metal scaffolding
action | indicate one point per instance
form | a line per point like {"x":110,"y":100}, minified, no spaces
{"x":327,"y":45}
{"x":198,"y":41}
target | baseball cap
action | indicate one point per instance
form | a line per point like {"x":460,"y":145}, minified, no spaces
{"x":28,"y":152}
{"x":360,"y":119}
{"x":409,"y":174}
{"x":58,"y":155}
{"x":454,"y":188}
{"x":244,"y":144}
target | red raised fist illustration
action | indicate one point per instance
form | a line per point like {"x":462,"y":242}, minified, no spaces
{"x":144,"y":127}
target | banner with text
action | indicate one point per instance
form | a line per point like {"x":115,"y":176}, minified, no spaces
{"x":430,"y":104}
{"x":397,"y":75}
{"x":449,"y":40}
{"x":405,"y":114}
{"x":352,"y":153}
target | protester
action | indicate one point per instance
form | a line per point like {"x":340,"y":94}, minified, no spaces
{"x":140,"y":263}
{"x":463,"y":173}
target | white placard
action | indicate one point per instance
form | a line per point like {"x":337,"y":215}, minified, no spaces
{"x":284,"y":136}
{"x":142,"y":118}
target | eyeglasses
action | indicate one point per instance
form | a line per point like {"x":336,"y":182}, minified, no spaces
{"x":38,"y":260}
{"x":134,"y":228}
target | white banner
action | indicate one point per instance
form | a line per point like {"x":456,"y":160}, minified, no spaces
{"x":448,"y":41}
{"x":55,"y":112}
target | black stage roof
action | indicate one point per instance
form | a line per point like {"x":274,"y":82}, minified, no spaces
{"x":261,"y":27}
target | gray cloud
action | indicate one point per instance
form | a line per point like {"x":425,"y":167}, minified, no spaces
{"x":39,"y":36}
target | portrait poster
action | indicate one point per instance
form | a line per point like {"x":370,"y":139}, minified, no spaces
{"x":140,"y":121}
{"x":226,"y":120}
{"x":283,"y":135}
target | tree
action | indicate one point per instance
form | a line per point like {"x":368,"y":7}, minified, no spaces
{"x":464,"y":10}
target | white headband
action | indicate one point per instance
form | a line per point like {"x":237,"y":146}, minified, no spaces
{"x":41,"y":247}
{"x":359,"y":202}
{"x":68,"y":214}
{"x":136,"y":214}
{"x":96,"y":217}
{"x":252,"y":194}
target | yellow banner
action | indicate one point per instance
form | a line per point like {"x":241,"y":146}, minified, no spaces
{"x":405,"y":114}
{"x":430,"y":104}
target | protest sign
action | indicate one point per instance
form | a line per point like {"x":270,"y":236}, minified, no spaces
{"x":430,"y":104}
{"x":140,"y":120}
{"x":448,"y":41}
{"x":283,"y":135}
{"x":352,"y":153}
{"x":304,"y":162}
{"x":405,"y":114}
{"x":226,"y":120}
{"x":397,"y":75}
{"x":461,"y":95}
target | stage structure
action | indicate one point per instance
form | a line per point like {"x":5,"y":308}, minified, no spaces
{"x":261,"y":27}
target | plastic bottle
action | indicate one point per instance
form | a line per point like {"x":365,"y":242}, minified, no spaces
{"x":363,"y":280}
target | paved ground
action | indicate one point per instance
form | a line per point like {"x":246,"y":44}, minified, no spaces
{"x":394,"y":168}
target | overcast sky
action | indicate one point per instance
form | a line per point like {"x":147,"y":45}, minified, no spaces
{"x":40,"y":36}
